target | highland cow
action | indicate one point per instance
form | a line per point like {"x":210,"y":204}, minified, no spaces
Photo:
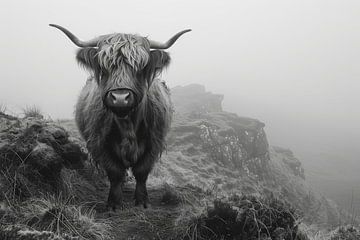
{"x":124,"y":111}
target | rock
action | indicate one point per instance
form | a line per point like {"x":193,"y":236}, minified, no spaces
{"x":217,"y":150}
{"x":33,"y":152}
{"x":211,"y":135}
{"x":44,"y":157}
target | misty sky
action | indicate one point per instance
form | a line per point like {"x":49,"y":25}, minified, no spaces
{"x":294,"y":65}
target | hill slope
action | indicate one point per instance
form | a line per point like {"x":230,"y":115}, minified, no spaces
{"x":217,"y":166}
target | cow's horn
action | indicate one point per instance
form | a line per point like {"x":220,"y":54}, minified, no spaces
{"x":169,"y":43}
{"x":74,"y":39}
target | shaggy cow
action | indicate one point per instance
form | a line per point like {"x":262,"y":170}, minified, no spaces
{"x":124,"y":111}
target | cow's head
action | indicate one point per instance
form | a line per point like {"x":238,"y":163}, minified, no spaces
{"x":124,"y":66}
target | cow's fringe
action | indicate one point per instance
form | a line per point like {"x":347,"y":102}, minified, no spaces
{"x":119,"y":48}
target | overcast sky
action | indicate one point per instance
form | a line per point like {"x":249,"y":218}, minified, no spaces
{"x":295,"y":65}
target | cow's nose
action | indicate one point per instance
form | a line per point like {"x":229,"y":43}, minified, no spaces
{"x":120,"y":100}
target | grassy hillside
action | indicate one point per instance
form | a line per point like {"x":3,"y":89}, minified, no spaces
{"x":218,"y":179}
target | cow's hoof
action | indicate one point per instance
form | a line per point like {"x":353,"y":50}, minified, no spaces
{"x":114,"y":207}
{"x":145,"y":204}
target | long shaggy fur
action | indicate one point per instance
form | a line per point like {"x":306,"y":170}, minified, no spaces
{"x":117,"y":48}
{"x":136,"y":142}
{"x":151,"y":120}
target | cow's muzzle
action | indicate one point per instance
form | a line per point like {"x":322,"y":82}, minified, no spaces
{"x":120,"y":101}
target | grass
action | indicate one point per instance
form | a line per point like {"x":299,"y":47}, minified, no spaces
{"x":28,"y":206}
{"x":185,"y":195}
{"x":22,"y":233}
{"x":3,"y":108}
{"x":19,"y":181}
{"x":33,"y":111}
{"x":58,"y":215}
{"x":352,"y":211}
{"x":345,"y":233}
{"x":30,"y":203}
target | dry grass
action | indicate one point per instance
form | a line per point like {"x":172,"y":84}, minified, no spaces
{"x":28,"y":205}
{"x":59,"y":215}
{"x":3,"y":108}
{"x":87,"y":187}
{"x":20,"y":182}
{"x":185,"y":195}
{"x":24,"y":233}
{"x":33,"y":111}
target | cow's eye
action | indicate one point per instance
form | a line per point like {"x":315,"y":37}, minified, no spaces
{"x":103,"y":75}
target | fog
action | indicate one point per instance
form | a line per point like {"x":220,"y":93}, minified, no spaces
{"x":295,"y":65}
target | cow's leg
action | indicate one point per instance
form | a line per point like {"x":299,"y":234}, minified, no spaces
{"x":141,"y":174}
{"x":117,"y":178}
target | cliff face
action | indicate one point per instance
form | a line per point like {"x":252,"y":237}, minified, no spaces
{"x":217,"y":150}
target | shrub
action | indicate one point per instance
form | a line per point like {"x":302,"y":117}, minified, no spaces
{"x":247,"y":217}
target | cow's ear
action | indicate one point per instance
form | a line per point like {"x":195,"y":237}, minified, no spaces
{"x":159,"y":59}
{"x":87,"y":58}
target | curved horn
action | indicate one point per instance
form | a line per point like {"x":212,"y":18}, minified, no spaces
{"x":169,"y":43}
{"x":74,"y":39}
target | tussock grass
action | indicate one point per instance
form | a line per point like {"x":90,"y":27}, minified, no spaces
{"x":33,"y":111}
{"x":27,"y":203}
{"x":19,"y":183}
{"x":61,"y":216}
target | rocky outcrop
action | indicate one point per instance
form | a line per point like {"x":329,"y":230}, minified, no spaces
{"x":214,"y":149}
{"x":222,"y":139}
